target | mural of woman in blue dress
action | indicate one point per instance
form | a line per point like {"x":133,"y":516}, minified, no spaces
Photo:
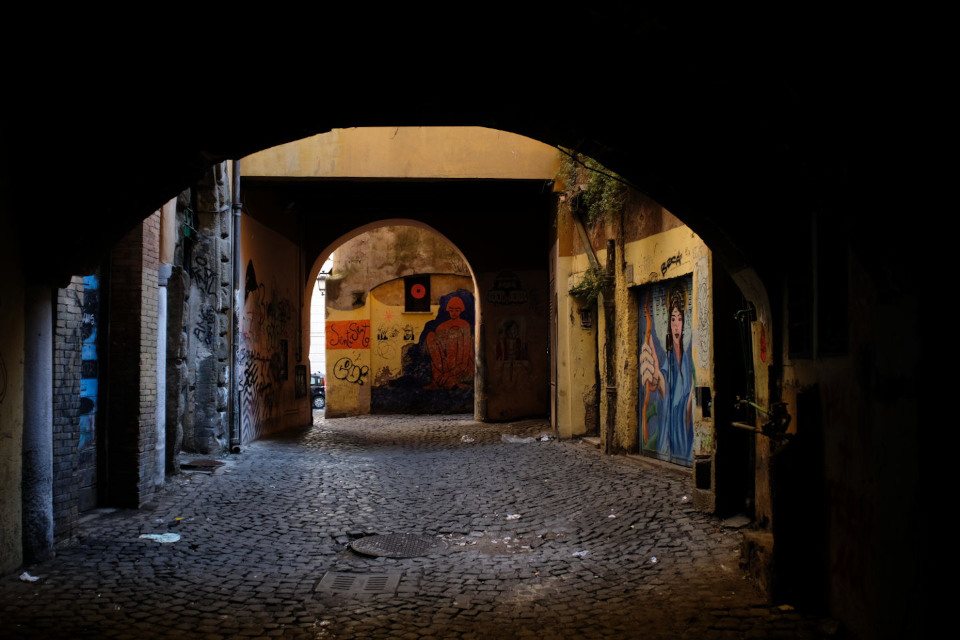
{"x":666,"y":373}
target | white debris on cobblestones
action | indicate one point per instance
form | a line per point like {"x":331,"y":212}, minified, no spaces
{"x":163,"y":538}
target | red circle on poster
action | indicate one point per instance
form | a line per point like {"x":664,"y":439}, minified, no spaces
{"x":418,"y":291}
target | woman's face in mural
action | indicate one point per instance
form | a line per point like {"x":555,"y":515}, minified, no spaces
{"x":676,"y":326}
{"x":455,"y":307}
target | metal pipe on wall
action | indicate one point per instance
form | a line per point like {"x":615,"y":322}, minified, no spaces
{"x":163,"y":278}
{"x":610,"y":331}
{"x":233,"y":404}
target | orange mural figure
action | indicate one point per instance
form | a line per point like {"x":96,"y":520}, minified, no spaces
{"x":451,"y":350}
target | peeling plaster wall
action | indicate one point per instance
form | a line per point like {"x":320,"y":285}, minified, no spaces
{"x":384,"y":253}
{"x":578,"y":385}
{"x":11,"y":396}
{"x":514,"y":343}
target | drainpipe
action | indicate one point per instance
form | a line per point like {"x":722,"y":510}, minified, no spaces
{"x":233,"y":405}
{"x":582,"y":231}
{"x":610,"y":335}
{"x":160,"y":453}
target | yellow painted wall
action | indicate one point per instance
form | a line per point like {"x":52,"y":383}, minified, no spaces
{"x":673,"y":253}
{"x":407,"y":152}
{"x":392,"y":327}
{"x":168,"y":231}
{"x":365,"y":345}
{"x":577,"y":359}
{"x":348,"y":361}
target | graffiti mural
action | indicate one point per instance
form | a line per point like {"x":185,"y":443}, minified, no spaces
{"x":204,"y":328}
{"x":350,"y":371}
{"x":279,"y":314}
{"x":387,"y":340}
{"x":669,"y":262}
{"x":450,"y":344}
{"x":205,"y":278}
{"x":266,"y":326}
{"x":703,"y":311}
{"x":666,"y":370}
{"x":436,"y":371}
{"x":512,"y":357}
{"x":259,"y":386}
{"x":348,"y":334}
{"x":89,"y":363}
{"x":507,"y":290}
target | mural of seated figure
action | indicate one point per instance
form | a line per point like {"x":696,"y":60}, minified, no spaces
{"x":450,"y":346}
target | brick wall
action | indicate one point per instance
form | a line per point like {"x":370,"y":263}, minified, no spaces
{"x":66,"y":408}
{"x":150,"y":477}
{"x":131,"y":396}
{"x":75,"y":401}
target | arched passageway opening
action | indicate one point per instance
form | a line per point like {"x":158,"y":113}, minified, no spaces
{"x":541,"y":343}
{"x":400,"y":314}
{"x":493,"y":224}
{"x":622,"y":396}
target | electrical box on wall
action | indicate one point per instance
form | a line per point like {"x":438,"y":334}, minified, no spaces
{"x":705,"y":401}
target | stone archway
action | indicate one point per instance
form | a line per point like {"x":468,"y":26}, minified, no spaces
{"x":741,"y":142}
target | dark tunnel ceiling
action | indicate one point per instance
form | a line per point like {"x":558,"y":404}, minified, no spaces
{"x":732,"y":118}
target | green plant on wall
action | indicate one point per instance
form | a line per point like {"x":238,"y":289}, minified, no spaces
{"x":600,"y":191}
{"x":591,"y":285}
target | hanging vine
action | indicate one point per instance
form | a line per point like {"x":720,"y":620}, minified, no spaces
{"x":598,"y":191}
{"x":591,"y":285}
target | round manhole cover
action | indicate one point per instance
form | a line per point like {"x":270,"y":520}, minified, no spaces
{"x":398,"y":545}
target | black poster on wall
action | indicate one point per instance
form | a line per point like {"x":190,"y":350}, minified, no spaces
{"x":416,"y":293}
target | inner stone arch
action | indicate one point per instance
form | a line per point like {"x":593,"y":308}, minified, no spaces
{"x":399,"y":321}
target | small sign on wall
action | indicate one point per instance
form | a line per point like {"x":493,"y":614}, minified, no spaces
{"x":416,"y":293}
{"x":300,"y":380}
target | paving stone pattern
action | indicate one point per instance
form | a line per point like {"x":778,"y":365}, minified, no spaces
{"x":259,"y":533}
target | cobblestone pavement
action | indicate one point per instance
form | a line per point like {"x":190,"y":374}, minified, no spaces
{"x":604,"y":547}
